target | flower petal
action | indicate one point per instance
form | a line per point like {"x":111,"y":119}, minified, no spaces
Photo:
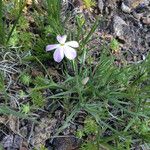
{"x":61,"y":39}
{"x":74,"y":44}
{"x":69,"y":52}
{"x":59,"y":54}
{"x":51,"y":47}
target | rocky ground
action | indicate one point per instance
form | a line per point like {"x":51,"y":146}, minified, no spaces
{"x":128,"y":21}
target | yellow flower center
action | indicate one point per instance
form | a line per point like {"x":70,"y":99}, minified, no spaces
{"x":62,"y":44}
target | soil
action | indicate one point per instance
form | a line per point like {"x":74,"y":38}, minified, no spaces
{"x":128,"y":21}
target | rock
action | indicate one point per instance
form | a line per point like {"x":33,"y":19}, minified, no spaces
{"x":66,"y":143}
{"x":146,"y":20}
{"x":135,"y":3}
{"x":101,"y":5}
{"x":120,"y":27}
{"x":125,"y":8}
{"x":12,"y":142}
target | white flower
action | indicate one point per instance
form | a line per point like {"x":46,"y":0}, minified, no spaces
{"x":63,"y":49}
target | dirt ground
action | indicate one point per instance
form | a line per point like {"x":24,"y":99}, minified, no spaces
{"x":128,"y":21}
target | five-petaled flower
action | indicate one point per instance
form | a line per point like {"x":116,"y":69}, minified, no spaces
{"x":63,"y":49}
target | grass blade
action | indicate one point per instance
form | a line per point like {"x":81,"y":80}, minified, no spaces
{"x":16,"y":21}
{"x":7,"y":111}
{"x":2,"y":37}
{"x":87,"y":38}
{"x":53,"y":10}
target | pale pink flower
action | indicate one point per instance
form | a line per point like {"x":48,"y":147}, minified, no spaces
{"x":63,"y":49}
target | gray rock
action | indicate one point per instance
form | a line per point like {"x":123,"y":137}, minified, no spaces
{"x":146,"y":20}
{"x":120,"y":28}
{"x":12,"y":142}
{"x":100,"y":5}
{"x":125,"y":8}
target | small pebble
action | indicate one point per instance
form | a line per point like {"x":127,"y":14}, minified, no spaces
{"x":125,"y":8}
{"x":146,"y":20}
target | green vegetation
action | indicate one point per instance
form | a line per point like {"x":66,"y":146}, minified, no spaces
{"x":115,"y":99}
